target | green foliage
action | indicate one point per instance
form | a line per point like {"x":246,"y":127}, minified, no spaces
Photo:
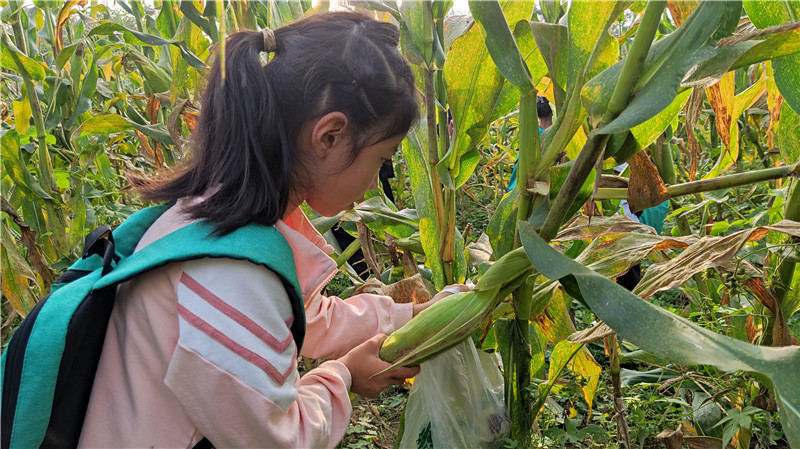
{"x":375,"y":422}
{"x":92,"y":93}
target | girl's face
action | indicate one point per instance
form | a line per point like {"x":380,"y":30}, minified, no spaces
{"x":337,"y":184}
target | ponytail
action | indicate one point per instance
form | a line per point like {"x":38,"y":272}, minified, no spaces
{"x":240,"y":147}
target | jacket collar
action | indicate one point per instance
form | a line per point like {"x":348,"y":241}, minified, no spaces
{"x":311,"y":252}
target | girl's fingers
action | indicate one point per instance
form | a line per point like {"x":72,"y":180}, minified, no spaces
{"x":404,"y":373}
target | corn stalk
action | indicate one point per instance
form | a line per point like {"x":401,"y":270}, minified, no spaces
{"x":595,"y":146}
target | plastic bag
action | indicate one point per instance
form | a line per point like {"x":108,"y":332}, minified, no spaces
{"x":456,"y":402}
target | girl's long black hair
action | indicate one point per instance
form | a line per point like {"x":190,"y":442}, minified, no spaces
{"x":245,"y":144}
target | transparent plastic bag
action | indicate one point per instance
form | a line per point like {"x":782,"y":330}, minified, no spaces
{"x":456,"y":402}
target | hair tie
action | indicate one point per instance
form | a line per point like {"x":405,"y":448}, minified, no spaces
{"x":269,"y":40}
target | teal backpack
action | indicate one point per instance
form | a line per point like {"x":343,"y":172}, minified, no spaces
{"x":49,"y":365}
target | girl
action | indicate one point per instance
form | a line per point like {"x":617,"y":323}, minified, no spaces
{"x":205,"y":348}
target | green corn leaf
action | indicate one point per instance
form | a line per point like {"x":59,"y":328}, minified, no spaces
{"x":455,"y":27}
{"x":190,"y":12}
{"x":65,"y":55}
{"x":473,"y":85}
{"x":112,"y":123}
{"x":418,"y":22}
{"x":552,"y":40}
{"x":17,"y":170}
{"x":379,"y":217}
{"x":156,"y":79}
{"x":501,"y":44}
{"x":411,"y":243}
{"x":422,"y":189}
{"x":77,"y":207}
{"x":168,"y":19}
{"x":667,"y":63}
{"x":630,"y":377}
{"x":17,"y":274}
{"x":563,"y":353}
{"x":36,"y":71}
{"x":502,"y":224}
{"x":789,"y":135}
{"x":22,"y":113}
{"x":644,"y":134}
{"x":585,"y":59}
{"x":555,"y":322}
{"x":158,"y":131}
{"x":440,"y":8}
{"x":647,"y":132}
{"x":478,"y":94}
{"x":743,"y":54}
{"x":88,"y":88}
{"x":57,"y":224}
{"x":586,"y":27}
{"x":389,"y":6}
{"x":104,"y":124}
{"x":764,"y":14}
{"x":528,"y":47}
{"x":137,"y":38}
{"x":667,"y":335}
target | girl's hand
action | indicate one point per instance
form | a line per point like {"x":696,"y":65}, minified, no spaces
{"x":447,"y":291}
{"x":363,"y":362}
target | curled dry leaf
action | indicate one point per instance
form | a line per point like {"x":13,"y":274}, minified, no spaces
{"x":480,"y":251}
{"x":693,"y":108}
{"x":412,"y":289}
{"x":582,"y":229}
{"x":611,"y":181}
{"x":646,"y":187}
{"x":28,"y":240}
{"x":597,"y":332}
{"x":672,"y":438}
{"x":707,"y":252}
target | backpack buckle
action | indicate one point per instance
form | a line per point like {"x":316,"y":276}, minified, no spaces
{"x":101,"y":242}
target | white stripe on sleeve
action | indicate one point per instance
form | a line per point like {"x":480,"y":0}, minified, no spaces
{"x":237,"y":314}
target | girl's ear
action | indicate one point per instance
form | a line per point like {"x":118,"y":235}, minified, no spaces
{"x":329,"y":134}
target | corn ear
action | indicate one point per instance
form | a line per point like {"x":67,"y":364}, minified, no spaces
{"x":455,"y":317}
{"x":505,"y":270}
{"x":437,"y":328}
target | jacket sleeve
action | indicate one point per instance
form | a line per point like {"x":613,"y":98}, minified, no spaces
{"x":335,"y":326}
{"x":234,"y":369}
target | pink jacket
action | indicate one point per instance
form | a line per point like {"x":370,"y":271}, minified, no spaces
{"x":203,"y":349}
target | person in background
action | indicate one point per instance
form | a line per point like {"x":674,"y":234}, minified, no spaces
{"x":653,"y":216}
{"x":545,"y":114}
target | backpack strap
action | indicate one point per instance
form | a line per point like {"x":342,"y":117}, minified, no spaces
{"x":260,"y":244}
{"x":125,"y":238}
